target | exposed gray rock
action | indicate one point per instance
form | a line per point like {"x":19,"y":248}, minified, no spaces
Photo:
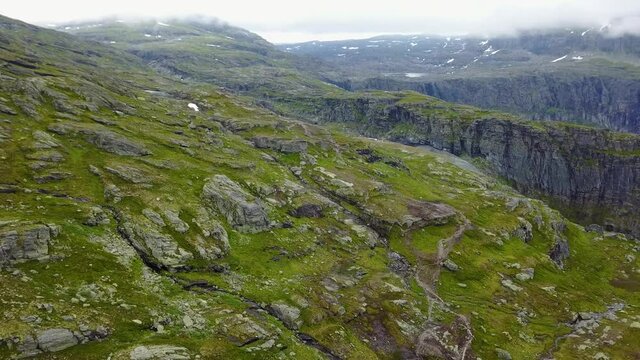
{"x":560,"y":251}
{"x":154,"y":217}
{"x":526,"y":274}
{"x":51,"y":156}
{"x":129,"y":173}
{"x":27,"y":242}
{"x":159,"y":352}
{"x":308,"y":211}
{"x":399,"y":264}
{"x":28,"y":347}
{"x":282,"y":145}
{"x":289,"y":315}
{"x":594,"y":228}
{"x":161,"y":246}
{"x":96,"y":217}
{"x":44,"y":140}
{"x":524,"y":231}
{"x":450,"y":265}
{"x":176,"y":223}
{"x":503,"y":354}
{"x":423,"y":213}
{"x":510,"y":285}
{"x":52,"y":340}
{"x":106,"y":140}
{"x":244,"y":212}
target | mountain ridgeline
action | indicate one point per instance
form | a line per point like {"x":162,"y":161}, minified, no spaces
{"x":184,"y":190}
{"x":587,"y":76}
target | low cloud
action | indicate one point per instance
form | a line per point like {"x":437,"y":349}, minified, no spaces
{"x":282,"y":20}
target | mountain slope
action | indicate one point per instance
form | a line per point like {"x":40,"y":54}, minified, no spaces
{"x":581,"y":75}
{"x":134,"y":227}
{"x":587,"y":190}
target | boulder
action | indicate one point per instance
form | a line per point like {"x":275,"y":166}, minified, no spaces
{"x":129,"y":173}
{"x":526,"y":274}
{"x":161,"y":246}
{"x":96,"y":217}
{"x":308,"y":211}
{"x":154,"y":217}
{"x":399,"y":264}
{"x":27,"y":242}
{"x":450,"y":265}
{"x":289,"y":315}
{"x":560,"y":251}
{"x":282,"y":145}
{"x":524,"y":231}
{"x":244,"y":212}
{"x":503,"y":354}
{"x":159,"y":352}
{"x":425,"y":213}
{"x":52,"y":340}
{"x":176,"y":223}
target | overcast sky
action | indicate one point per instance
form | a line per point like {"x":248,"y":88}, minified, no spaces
{"x":299,"y":20}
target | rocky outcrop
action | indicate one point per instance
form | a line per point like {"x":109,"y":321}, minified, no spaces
{"x":158,"y":247}
{"x":106,"y":140}
{"x":282,"y":145}
{"x":289,"y":315}
{"x":26,"y":242}
{"x":159,"y":352}
{"x":58,"y":339}
{"x":592,"y":174}
{"x":243,"y":211}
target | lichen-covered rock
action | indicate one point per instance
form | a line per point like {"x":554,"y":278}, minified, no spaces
{"x":423,"y":213}
{"x":52,"y":340}
{"x":244,"y":212}
{"x":560,"y":251}
{"x":27,"y":242}
{"x":282,"y":145}
{"x":308,"y":211}
{"x":159,"y":352}
{"x":129,"y":173}
{"x":173,"y":217}
{"x":44,"y":140}
{"x":524,"y":231}
{"x":289,"y":315}
{"x":154,"y":217}
{"x":96,"y":217}
{"x":106,"y":140}
{"x":161,"y":246}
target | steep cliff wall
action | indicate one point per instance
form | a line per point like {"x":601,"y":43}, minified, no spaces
{"x":592,"y":174}
{"x":608,"y":102}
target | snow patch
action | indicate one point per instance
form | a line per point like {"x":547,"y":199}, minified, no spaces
{"x":414,"y":44}
{"x":585,"y":32}
{"x":353,"y":48}
{"x":483,"y":43}
{"x":162,"y":24}
{"x":373,"y":46}
{"x":217,"y":46}
{"x":577,"y":58}
{"x":147,"y":35}
{"x":193,"y":106}
{"x":414,"y":75}
{"x":560,"y":59}
{"x":495,"y":52}
{"x":450,"y":61}
{"x":342,"y":55}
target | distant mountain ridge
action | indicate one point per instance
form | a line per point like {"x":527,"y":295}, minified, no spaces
{"x":580,"y":75}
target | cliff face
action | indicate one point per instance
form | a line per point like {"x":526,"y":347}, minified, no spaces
{"x":592,"y":174}
{"x":608,"y":102}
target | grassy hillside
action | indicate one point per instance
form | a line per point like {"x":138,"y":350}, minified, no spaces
{"x":134,"y":227}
